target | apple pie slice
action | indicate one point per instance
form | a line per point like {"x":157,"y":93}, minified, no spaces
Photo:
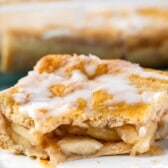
{"x":72,"y":107}
{"x":130,"y":31}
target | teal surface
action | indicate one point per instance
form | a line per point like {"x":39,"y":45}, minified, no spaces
{"x":7,"y":80}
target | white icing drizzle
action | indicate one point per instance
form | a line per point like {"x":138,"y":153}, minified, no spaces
{"x":57,"y":33}
{"x":127,"y":25}
{"x":90,"y":69}
{"x":89,"y":58}
{"x":20,"y":97}
{"x":118,"y":85}
{"x":148,"y":96}
{"x":147,"y":74}
{"x":77,"y":76}
{"x":134,"y":23}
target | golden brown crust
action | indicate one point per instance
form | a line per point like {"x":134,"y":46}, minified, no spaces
{"x":106,"y":123}
{"x":101,"y":116}
{"x":51,"y":63}
{"x":134,"y":113}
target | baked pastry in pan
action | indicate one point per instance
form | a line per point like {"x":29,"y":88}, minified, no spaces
{"x":139,"y":35}
{"x":72,"y":107}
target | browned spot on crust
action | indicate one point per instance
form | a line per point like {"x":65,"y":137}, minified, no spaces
{"x":78,"y":66}
{"x":44,"y":111}
{"x":51,"y":62}
{"x":101,"y":69}
{"x":82,"y":103}
{"x":99,"y":97}
{"x":148,"y":84}
{"x":13,"y":90}
{"x":57,"y":90}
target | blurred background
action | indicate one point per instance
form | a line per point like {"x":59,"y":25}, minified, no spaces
{"x":132,"y":30}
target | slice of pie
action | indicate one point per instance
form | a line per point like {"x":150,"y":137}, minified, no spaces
{"x":72,"y":107}
{"x":138,"y":34}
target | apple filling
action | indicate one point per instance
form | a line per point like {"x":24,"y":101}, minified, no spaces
{"x":69,"y":142}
